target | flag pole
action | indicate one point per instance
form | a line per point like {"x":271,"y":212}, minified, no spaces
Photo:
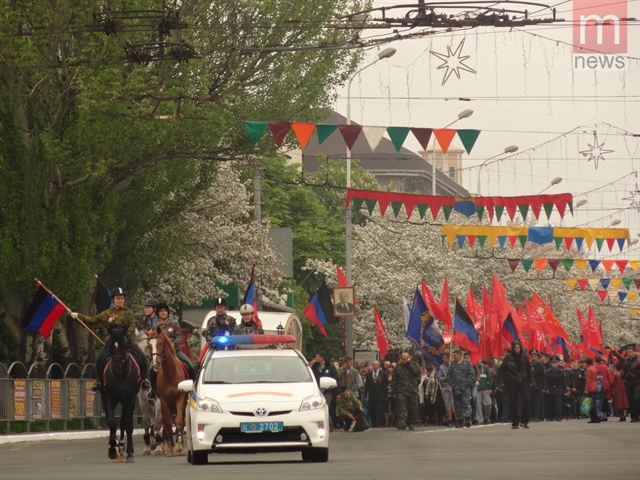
{"x":69,"y":311}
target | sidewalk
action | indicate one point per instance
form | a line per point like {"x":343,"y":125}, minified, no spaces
{"x":49,"y":436}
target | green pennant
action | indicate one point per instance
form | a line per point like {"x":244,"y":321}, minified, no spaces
{"x":422,"y":208}
{"x":357,"y":204}
{"x":481,"y":240}
{"x":255,"y":130}
{"x":480,"y":211}
{"x":627,"y":282}
{"x":398,"y":135}
{"x":567,"y":263}
{"x":599,"y":242}
{"x":396,"y":206}
{"x":558,"y":242}
{"x":526,"y":263}
{"x":498,"y":209}
{"x":447,"y":211}
{"x":468,"y":138}
{"x":371,"y":204}
{"x":523,"y":240}
{"x":548,"y":208}
{"x":444,"y":237}
{"x":524,"y":211}
{"x":324,"y":130}
{"x":570,"y":207}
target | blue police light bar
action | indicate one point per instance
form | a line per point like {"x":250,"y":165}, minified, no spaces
{"x":252,"y":339}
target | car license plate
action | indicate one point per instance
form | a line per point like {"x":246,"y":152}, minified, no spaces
{"x":259,"y":427}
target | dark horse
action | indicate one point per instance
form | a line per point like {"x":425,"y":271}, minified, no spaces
{"x":120,"y":387}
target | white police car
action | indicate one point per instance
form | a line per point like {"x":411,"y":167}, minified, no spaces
{"x":256,"y":400}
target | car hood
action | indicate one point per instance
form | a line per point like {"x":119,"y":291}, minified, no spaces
{"x":263,"y":393}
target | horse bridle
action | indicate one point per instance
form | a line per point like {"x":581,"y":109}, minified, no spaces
{"x":162,"y":356}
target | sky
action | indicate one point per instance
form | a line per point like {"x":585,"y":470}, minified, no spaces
{"x":525,"y":92}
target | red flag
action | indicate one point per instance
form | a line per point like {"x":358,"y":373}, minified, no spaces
{"x":381,"y":337}
{"x":584,"y":326}
{"x":445,"y":306}
{"x":594,"y":332}
{"x":430,"y":300}
{"x":342,"y":281}
{"x":500,"y":308}
{"x":475,"y":311}
{"x":487,"y":343}
{"x":536,"y":316}
{"x":557,"y":330}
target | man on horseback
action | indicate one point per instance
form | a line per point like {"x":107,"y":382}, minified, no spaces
{"x":248,"y":326}
{"x":171,"y":329}
{"x":222,"y":323}
{"x":118,"y":316}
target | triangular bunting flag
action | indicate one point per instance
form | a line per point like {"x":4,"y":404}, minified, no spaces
{"x":480,"y":211}
{"x":622,"y":295}
{"x":548,"y":208}
{"x":637,"y":282}
{"x":422,"y":208}
{"x":460,"y":239}
{"x":371,"y":204}
{"x":581,"y":263}
{"x":350,"y":134}
{"x":396,"y":206}
{"x":612,"y":294}
{"x":398,"y":136}
{"x":567,"y":263}
{"x":594,"y":264}
{"x":568,"y":241}
{"x":615,"y":283}
{"x":582,"y":283}
{"x":554,"y":263}
{"x":279,"y":130}
{"x":605,"y":282}
{"x":303,"y":131}
{"x":423,"y":135}
{"x":324,"y":131}
{"x":468,"y":138}
{"x":373,"y":136}
{"x":501,"y":240}
{"x":558,"y":242}
{"x":599,"y":243}
{"x":255,"y":130}
{"x":621,"y":264}
{"x":435,"y":208}
{"x":409,"y":205}
{"x":621,"y":243}
{"x":634,"y":311}
{"x":526,"y":263}
{"x":471,"y":239}
{"x":540,"y":263}
{"x":571,"y":283}
{"x":357,"y":204}
{"x":579,"y":242}
{"x":602,"y":294}
{"x":610,"y":243}
{"x":513,"y":263}
{"x":523,"y":240}
{"x":633,"y":296}
{"x":524,"y":211}
{"x":634,"y":264}
{"x":512,"y":240}
{"x":499,"y":209}
{"x":627,"y":282}
{"x":446,"y":209}
{"x":444,"y":137}
{"x":594,"y":283}
{"x":483,"y":238}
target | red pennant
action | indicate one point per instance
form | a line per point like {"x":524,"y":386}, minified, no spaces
{"x":408,"y":207}
{"x":602,"y":294}
{"x":567,"y":242}
{"x":561,"y":206}
{"x":279,"y":130}
{"x":554,"y":263}
{"x":472,"y":240}
{"x":444,"y":137}
{"x":610,"y":243}
{"x":381,"y":336}
{"x":607,"y":264}
{"x":622,"y":264}
{"x":511,"y":205}
{"x":423,"y":135}
{"x":383,"y":203}
{"x":513,"y":263}
{"x":350,"y":134}
{"x":582,"y":283}
{"x":435,"y":208}
{"x":536,"y":206}
{"x":512,"y":240}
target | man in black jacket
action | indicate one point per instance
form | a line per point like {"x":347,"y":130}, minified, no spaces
{"x":321,"y":367}
{"x":375,"y":391}
{"x":518,"y":377}
{"x":539,"y":386}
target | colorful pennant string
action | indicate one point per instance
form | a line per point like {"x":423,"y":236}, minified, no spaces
{"x":569,"y":263}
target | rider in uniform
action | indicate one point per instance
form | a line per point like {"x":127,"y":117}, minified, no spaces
{"x":150,"y":314}
{"x":171,"y":329}
{"x":222,"y":323}
{"x":248,"y":326}
{"x":118,"y":316}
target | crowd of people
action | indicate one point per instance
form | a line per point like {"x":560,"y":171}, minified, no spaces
{"x":519,"y":388}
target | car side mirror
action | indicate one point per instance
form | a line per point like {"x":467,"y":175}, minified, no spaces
{"x":185,"y":386}
{"x":327,"y":383}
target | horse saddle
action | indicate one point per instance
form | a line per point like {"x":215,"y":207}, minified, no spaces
{"x":108,"y":363}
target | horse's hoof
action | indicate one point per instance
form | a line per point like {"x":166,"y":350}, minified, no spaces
{"x":146,"y":452}
{"x":112,"y":454}
{"x":130,"y":459}
{"x":170,"y":454}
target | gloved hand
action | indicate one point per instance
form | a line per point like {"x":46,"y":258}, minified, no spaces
{"x":74,"y":315}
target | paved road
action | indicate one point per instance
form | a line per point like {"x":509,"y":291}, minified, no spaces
{"x":568,"y":450}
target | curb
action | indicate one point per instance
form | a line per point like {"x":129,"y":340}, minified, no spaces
{"x":50,"y":436}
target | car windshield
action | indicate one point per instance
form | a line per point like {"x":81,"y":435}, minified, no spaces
{"x":260,"y":369}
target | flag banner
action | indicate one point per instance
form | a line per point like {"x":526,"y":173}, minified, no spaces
{"x":508,"y":330}
{"x":303,"y":131}
{"x":423,"y":331}
{"x":537,"y":235}
{"x":102,"y":299}
{"x":406,"y":311}
{"x":381,"y":335}
{"x":552,"y":321}
{"x":444,"y":304}
{"x":250,"y":296}
{"x":279,"y":131}
{"x":432,"y":305}
{"x":320,"y":309}
{"x":464,"y":334}
{"x":467,"y":206}
{"x":43,"y":313}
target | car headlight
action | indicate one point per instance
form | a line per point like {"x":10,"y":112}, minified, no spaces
{"x":312,"y":403}
{"x":208,"y":405}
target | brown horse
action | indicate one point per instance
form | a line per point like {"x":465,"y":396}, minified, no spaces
{"x":172,"y":402}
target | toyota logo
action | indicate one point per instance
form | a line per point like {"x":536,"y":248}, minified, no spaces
{"x":261,"y":412}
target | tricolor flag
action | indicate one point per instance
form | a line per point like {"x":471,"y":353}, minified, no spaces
{"x":464,"y":334}
{"x":423,"y":331}
{"x":250,"y":296}
{"x":43,"y":313}
{"x":320,"y":309}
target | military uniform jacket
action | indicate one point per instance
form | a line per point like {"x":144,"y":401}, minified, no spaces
{"x":172,"y":330}
{"x":220,"y":324}
{"x":250,"y":328}
{"x":348,"y":405}
{"x":557,"y":381}
{"x":113,"y":317}
{"x":405,"y":378}
{"x":462,"y":376}
{"x":539,"y":376}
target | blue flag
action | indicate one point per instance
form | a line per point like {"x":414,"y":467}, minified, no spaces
{"x":424,"y":333}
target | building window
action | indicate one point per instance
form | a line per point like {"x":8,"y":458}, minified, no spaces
{"x":452,"y":173}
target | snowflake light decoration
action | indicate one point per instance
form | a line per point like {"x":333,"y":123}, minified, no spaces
{"x":595,"y":151}
{"x":453,"y":62}
{"x":635,"y":198}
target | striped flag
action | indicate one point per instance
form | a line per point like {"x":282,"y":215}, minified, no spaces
{"x":43,"y":313}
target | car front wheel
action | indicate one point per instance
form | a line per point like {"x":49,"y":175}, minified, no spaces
{"x":316,"y":455}
{"x":198,"y":458}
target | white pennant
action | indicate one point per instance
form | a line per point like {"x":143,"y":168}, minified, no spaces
{"x":373,"y":136}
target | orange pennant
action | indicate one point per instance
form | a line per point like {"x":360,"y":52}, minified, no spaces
{"x":303,"y":131}
{"x":540,"y":263}
{"x":608,"y":264}
{"x":444,"y":137}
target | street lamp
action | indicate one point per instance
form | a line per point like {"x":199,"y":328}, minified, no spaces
{"x":386,"y":53}
{"x":555,"y":181}
{"x":616,"y":222}
{"x":463,"y":114}
{"x":509,"y":149}
{"x":634,"y":242}
{"x":581,"y":203}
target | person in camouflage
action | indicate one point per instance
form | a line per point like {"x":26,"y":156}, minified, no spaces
{"x":118,"y":316}
{"x":247,"y":326}
{"x":404,"y":384}
{"x":462,"y":377}
{"x":222,"y":323}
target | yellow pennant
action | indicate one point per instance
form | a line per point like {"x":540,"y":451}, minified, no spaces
{"x":616,"y":282}
{"x":581,"y":263}
{"x":571,"y":283}
{"x":632,"y":296}
{"x":634,"y":311}
{"x":634,"y":264}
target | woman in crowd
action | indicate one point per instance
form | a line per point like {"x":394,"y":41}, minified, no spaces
{"x":620,"y":400}
{"x":390,"y":404}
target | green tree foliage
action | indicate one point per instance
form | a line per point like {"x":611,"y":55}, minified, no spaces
{"x":111,"y":123}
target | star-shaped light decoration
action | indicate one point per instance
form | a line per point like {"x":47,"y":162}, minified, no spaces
{"x":595,"y":151}
{"x":453,"y":62}
{"x":635,"y":198}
